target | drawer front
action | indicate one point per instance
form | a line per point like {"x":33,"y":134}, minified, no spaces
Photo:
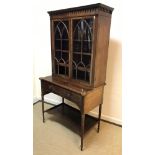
{"x":72,"y":96}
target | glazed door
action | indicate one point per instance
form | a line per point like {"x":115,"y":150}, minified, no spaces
{"x":61,"y":47}
{"x":82,"y":48}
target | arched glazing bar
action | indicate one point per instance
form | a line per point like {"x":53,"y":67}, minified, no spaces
{"x":82,"y":48}
{"x":61,"y":36}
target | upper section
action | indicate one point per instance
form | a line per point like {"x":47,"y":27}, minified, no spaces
{"x":93,"y":7}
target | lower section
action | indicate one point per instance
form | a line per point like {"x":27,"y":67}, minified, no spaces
{"x":71,"y":118}
{"x":56,"y":101}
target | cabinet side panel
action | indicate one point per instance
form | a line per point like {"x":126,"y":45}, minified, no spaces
{"x":93,"y":99}
{"x":102,"y":49}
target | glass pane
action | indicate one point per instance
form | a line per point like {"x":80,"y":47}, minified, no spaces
{"x":57,"y":34}
{"x":65,"y":45}
{"x":82,"y":48}
{"x":58,"y":55}
{"x":61,"y":47}
{"x":57,"y":44}
{"x":56,"y":67}
{"x":76,"y":46}
{"x":81,"y":75}
{"x":74,"y":74}
{"x":77,"y":30}
{"x":87,"y":33}
{"x":61,"y":70}
{"x":76,"y":58}
{"x":86,"y":59}
{"x":64,"y":33}
{"x":87,"y":46}
{"x":87,"y":76}
{"x":67,"y":71}
{"x":65,"y":57}
{"x":88,"y":29}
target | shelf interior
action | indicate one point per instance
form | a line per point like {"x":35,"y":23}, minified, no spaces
{"x":71,"y":118}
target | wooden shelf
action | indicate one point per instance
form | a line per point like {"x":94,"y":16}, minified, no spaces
{"x":79,"y":68}
{"x":83,"y":53}
{"x":70,"y":118}
{"x":62,"y":64}
{"x":64,"y":51}
{"x":83,"y":69}
{"x":82,"y":40}
{"x":61,"y":39}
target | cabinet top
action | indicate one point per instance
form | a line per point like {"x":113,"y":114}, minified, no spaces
{"x":92,"y":7}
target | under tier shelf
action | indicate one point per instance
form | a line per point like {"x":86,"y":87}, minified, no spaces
{"x":70,"y":118}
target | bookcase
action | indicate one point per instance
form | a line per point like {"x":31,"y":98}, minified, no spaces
{"x":79,"y":52}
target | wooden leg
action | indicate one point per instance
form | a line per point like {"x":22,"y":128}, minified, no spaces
{"x":62,"y":105}
{"x":99,"y":117}
{"x":82,"y":129}
{"x":62,"y":100}
{"x":42,"y":97}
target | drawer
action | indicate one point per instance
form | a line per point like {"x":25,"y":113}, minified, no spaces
{"x":48,"y":87}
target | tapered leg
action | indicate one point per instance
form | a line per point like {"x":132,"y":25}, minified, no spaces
{"x":99,"y":117}
{"x":42,"y":97}
{"x":62,"y":105}
{"x":82,"y":129}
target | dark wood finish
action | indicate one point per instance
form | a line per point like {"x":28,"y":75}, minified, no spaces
{"x":99,"y":117}
{"x":101,"y":17}
{"x":82,"y":128}
{"x":71,"y":118}
{"x":89,"y":8}
{"x":84,"y":97}
{"x":63,"y":104}
{"x":79,"y":50}
{"x":62,"y":83}
{"x":101,"y":54}
{"x":54,"y":107}
{"x":92,"y":99}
